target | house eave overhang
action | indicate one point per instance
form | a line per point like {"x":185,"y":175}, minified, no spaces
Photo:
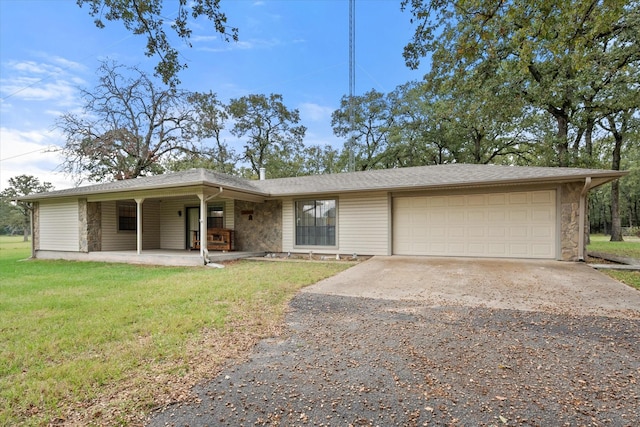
{"x":154,"y":190}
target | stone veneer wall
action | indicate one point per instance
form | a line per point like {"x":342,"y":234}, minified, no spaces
{"x":260,"y":231}
{"x":570,"y":220}
{"x":94,"y":226}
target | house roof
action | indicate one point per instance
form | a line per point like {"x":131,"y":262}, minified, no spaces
{"x":421,"y":177}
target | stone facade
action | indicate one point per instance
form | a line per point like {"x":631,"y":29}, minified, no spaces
{"x":94,"y":226}
{"x":570,"y":220}
{"x":89,"y":226}
{"x":258,"y":226}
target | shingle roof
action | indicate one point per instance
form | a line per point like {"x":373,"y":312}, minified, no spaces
{"x":437,"y":176}
{"x":185,"y":178}
{"x":422,"y":177}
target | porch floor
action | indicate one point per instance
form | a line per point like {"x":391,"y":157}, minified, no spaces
{"x":150,"y":257}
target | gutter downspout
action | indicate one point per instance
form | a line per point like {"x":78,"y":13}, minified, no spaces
{"x":214,"y":195}
{"x":582,"y":213}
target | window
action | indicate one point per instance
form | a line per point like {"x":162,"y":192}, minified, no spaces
{"x":215,"y":216}
{"x":126,"y":216}
{"x":316,"y":223}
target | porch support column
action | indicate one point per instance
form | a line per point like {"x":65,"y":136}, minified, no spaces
{"x":139,"y":225}
{"x":203,"y":224}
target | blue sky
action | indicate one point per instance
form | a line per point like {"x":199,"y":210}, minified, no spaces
{"x":298,"y":48}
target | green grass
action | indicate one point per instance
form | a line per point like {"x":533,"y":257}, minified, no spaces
{"x":631,"y":278}
{"x":629,"y":248}
{"x":73,"y":333}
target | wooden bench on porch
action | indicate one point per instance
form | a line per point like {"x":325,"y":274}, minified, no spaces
{"x":218,"y":239}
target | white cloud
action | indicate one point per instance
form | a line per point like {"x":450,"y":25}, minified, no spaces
{"x":33,"y":152}
{"x":40,"y":81}
{"x":315,"y":113}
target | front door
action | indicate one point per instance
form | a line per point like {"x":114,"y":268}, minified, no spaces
{"x":193,"y":228}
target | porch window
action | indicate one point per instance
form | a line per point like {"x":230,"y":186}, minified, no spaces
{"x":215,"y":216}
{"x":316,"y":222}
{"x":126,"y":216}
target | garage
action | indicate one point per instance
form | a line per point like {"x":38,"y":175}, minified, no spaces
{"x":518,"y":224}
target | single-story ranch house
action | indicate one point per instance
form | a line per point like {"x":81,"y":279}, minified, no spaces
{"x":445,"y":210}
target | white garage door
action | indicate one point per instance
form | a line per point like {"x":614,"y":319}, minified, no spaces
{"x":501,"y":225}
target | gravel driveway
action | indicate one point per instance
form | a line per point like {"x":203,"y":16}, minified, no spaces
{"x":466,"y":351}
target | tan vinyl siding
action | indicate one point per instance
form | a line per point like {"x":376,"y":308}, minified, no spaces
{"x":172,"y":226}
{"x":59,"y":226}
{"x":112,"y":239}
{"x":288,"y":225}
{"x":229,"y":216}
{"x":363,"y":225}
{"x":151,"y":224}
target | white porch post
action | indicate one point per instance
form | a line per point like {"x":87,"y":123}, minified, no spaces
{"x":139,"y":225}
{"x":203,"y":224}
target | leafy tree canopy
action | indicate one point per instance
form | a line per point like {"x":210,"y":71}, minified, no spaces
{"x":148,"y":17}
{"x":16,"y":214}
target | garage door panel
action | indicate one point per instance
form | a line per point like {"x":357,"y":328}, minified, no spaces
{"x":456,"y":201}
{"x":477,"y":200}
{"x":542,"y":215}
{"x":519,"y":224}
{"x":519,"y":250}
{"x":519,"y":215}
{"x":497,"y":249}
{"x":518,"y":232}
{"x":496,"y":199}
{"x":435,"y":202}
{"x":542,"y":251}
{"x":477,"y":249}
{"x":497,"y":232}
{"x":518,"y":198}
{"x":542,"y":197}
{"x":476,"y":232}
{"x":541,"y":232}
{"x":496,"y":216}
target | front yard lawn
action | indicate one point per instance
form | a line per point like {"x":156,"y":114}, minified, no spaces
{"x":103,"y":344}
{"x":629,"y":248}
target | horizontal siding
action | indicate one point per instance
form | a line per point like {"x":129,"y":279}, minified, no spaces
{"x":59,"y":228}
{"x":151,"y":224}
{"x":363,"y":225}
{"x":288,"y":226}
{"x":172,"y":226}
{"x":112,"y":239}
{"x":229,"y":217}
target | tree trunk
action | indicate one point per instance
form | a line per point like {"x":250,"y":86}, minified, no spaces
{"x":562,"y":135}
{"x":616,"y":226}
{"x":25,"y":234}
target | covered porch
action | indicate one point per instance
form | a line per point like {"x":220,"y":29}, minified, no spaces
{"x":165,"y":257}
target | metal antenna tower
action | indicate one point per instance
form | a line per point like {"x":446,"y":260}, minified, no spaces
{"x":352,"y":81}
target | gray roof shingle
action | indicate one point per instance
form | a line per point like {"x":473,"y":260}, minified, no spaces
{"x":421,"y":177}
